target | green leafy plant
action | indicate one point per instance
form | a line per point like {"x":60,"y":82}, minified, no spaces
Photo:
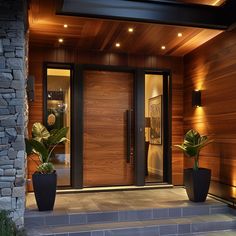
{"x":43,"y":144}
{"x":192,"y":145}
{"x":8,"y":227}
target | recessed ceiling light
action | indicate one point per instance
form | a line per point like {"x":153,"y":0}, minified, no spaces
{"x":163,"y":47}
{"x":131,"y":30}
{"x":117,"y":45}
{"x":65,"y":26}
{"x":180,"y":34}
{"x":60,"y":40}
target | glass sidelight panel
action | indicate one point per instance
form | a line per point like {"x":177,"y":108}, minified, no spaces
{"x":57,"y":116}
{"x":154,"y":128}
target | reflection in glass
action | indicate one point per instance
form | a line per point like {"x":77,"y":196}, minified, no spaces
{"x":153,"y":128}
{"x":58,"y":116}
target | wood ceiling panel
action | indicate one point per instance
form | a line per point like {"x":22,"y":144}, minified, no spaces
{"x":203,"y":36}
{"x":204,"y":2}
{"x":101,"y":35}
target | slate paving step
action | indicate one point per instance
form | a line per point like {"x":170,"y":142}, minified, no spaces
{"x":62,"y":218}
{"x":191,"y":225}
{"x":217,"y":233}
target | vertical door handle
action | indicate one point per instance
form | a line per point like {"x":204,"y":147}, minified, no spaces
{"x":129,"y":134}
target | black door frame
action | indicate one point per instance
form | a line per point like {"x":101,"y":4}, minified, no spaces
{"x":69,"y":66}
{"x":137,"y":154}
{"x":139,"y":117}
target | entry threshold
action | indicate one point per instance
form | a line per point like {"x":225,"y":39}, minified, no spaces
{"x":115,"y":188}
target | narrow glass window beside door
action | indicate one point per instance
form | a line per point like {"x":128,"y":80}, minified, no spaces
{"x":58,"y":116}
{"x":154,"y":128}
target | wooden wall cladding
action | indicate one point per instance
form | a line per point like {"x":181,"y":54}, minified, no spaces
{"x":38,"y":55}
{"x":107,"y":97}
{"x":212,"y":68}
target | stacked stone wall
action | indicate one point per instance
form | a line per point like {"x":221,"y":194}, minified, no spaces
{"x":13,"y":70}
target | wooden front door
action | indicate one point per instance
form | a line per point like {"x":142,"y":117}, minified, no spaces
{"x":107,"y":98}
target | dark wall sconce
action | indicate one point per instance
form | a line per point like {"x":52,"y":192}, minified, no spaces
{"x":196,"y":98}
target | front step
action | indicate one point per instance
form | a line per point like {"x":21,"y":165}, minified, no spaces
{"x":193,"y":225}
{"x":57,"y":218}
{"x":218,"y":233}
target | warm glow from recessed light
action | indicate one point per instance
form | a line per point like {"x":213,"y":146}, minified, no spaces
{"x":65,"y":26}
{"x":163,"y":47}
{"x":117,"y":45}
{"x":60,"y":40}
{"x":217,"y":3}
{"x":180,"y":34}
{"x":131,"y":30}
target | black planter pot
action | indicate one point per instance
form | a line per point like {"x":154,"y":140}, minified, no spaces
{"x":45,"y":190}
{"x":197,"y":183}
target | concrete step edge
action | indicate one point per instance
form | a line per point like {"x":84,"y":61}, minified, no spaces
{"x":121,"y":216}
{"x":195,"y":224}
{"x":229,"y":232}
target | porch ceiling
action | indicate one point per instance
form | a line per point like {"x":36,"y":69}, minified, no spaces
{"x":101,"y":35}
{"x":203,"y":2}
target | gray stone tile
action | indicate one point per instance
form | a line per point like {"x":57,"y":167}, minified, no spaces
{"x":77,"y":219}
{"x":184,"y":228}
{"x":39,"y":231}
{"x":135,"y":215}
{"x":212,"y":226}
{"x":168,"y":229}
{"x":232,"y":211}
{"x":219,"y":209}
{"x":102,"y":217}
{"x":60,"y":234}
{"x":98,"y":233}
{"x":160,"y":213}
{"x":150,"y":231}
{"x":34,"y":221}
{"x":200,"y":210}
{"x":80,"y":234}
{"x":121,"y":200}
{"x":175,"y":212}
{"x":57,"y":220}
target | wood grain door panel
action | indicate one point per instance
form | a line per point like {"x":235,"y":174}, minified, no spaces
{"x":107,"y":97}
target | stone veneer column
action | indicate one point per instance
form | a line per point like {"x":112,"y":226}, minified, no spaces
{"x":13,"y":70}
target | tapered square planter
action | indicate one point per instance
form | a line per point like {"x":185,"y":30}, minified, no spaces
{"x":45,"y":190}
{"x":197,"y":183}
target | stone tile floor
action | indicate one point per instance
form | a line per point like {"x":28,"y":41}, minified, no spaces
{"x":117,"y":200}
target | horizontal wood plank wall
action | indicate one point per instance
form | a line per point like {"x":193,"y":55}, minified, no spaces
{"x":212,"y":68}
{"x":38,"y":55}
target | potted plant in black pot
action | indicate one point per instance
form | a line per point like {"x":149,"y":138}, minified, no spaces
{"x":196,"y":180}
{"x":44,"y":179}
